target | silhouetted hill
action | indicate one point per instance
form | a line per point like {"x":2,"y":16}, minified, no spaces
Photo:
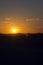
{"x":21,"y":48}
{"x":22,"y":40}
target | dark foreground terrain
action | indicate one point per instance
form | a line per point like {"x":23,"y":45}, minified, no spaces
{"x":22,"y":49}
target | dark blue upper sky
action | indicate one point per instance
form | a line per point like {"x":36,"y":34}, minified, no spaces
{"x":29,"y":9}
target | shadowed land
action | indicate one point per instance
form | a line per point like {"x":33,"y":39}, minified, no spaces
{"x":26,"y":48}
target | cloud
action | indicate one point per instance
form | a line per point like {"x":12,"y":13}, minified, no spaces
{"x":34,"y":19}
{"x":7,"y":19}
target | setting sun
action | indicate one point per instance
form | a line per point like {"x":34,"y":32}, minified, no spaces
{"x":14,"y":31}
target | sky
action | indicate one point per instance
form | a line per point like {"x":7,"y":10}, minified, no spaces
{"x":26,"y":15}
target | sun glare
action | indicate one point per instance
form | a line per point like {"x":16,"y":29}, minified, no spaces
{"x":14,"y":31}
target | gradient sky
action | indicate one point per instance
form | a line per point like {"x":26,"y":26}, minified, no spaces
{"x":26,"y":15}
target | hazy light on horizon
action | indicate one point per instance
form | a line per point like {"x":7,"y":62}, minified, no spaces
{"x":26,"y":15}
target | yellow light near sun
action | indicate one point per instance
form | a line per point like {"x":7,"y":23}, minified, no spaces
{"x":14,"y":30}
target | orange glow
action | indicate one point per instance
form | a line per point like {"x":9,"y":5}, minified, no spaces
{"x":14,"y":31}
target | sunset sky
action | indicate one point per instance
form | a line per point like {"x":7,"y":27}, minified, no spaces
{"x":25,"y":15}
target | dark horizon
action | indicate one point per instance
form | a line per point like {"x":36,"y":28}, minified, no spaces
{"x":21,"y":48}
